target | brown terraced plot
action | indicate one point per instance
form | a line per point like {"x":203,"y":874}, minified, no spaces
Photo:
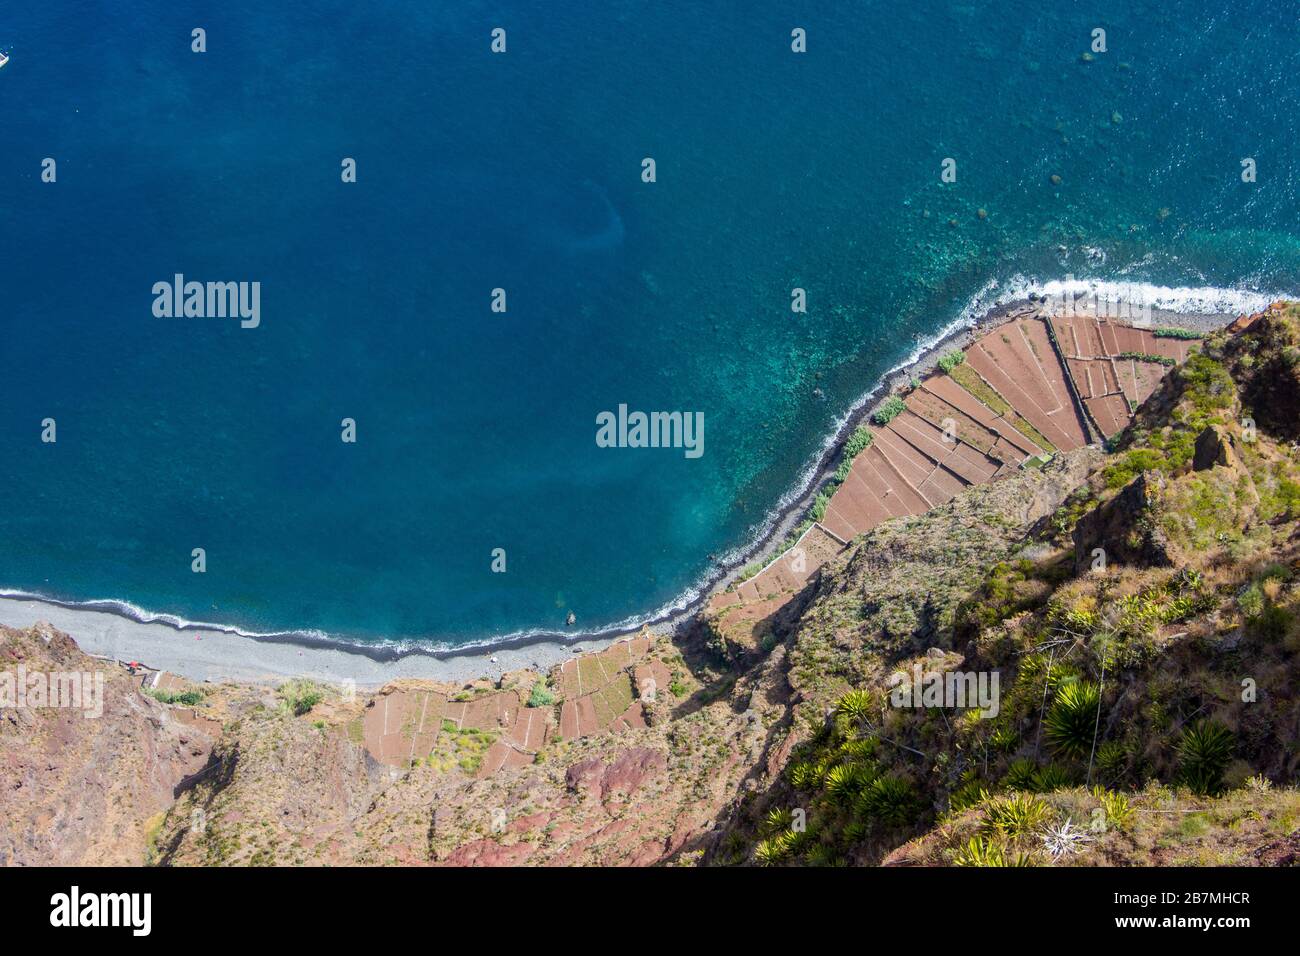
{"x":1017,"y":389}
{"x":493,"y":729}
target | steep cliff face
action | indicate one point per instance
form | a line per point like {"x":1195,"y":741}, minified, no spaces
{"x":1145,"y":638}
{"x":82,"y":780}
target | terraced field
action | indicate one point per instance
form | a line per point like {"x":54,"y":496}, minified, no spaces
{"x":490,"y":728}
{"x":1030,"y":387}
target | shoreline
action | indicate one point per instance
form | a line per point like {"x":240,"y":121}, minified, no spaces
{"x":218,"y":653}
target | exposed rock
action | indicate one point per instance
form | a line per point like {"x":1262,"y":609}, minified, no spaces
{"x":1214,"y":448}
{"x":1126,"y":527}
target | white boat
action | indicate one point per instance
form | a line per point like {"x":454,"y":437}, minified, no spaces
{"x":4,"y":58}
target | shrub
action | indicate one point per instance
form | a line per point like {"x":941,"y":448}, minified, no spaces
{"x":541,"y":695}
{"x":1203,"y":754}
{"x":950,"y":360}
{"x":190,"y":698}
{"x":857,"y":443}
{"x":300,"y":696}
{"x":889,"y":409}
{"x":1072,"y":719}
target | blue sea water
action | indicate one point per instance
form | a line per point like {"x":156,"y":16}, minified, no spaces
{"x":522,"y":171}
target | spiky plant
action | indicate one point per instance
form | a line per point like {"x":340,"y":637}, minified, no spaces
{"x":1203,"y":754}
{"x":979,"y":851}
{"x":856,"y":706}
{"x":1016,"y":815}
{"x":1022,"y":774}
{"x":777,"y":819}
{"x":1052,"y":777}
{"x":1004,"y":740}
{"x":861,"y":750}
{"x":1072,"y":719}
{"x":968,"y":795}
{"x":1119,"y":812}
{"x":823,"y":855}
{"x":773,"y":850}
{"x":1112,"y":759}
{"x":846,"y":781}
{"x":1065,"y":840}
{"x":890,"y":800}
{"x":805,"y":775}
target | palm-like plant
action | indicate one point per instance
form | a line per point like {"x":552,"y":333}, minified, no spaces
{"x":1203,"y":754}
{"x":890,"y":800}
{"x":856,"y":706}
{"x":1072,"y":719}
{"x":979,"y":851}
{"x":847,"y":780}
{"x":1016,"y":815}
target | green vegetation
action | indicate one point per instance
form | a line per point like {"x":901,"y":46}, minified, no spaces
{"x":969,"y":379}
{"x":1175,"y":333}
{"x":541,"y":695}
{"x":190,"y":698}
{"x":1149,"y":357}
{"x":299,"y":696}
{"x":1203,"y":755}
{"x":889,"y":409}
{"x":950,"y":360}
{"x":1071,"y":721}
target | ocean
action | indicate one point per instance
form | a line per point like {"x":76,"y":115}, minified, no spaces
{"x":522,"y":171}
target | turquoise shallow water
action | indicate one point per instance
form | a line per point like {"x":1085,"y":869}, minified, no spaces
{"x":476,"y":430}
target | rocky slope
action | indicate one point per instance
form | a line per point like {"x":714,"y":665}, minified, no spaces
{"x":1147,"y":640}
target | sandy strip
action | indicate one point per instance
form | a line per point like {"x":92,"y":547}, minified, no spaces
{"x":202,"y":654}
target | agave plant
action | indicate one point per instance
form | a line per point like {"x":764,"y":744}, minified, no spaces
{"x":1203,"y":754}
{"x":1052,"y":777}
{"x":971,"y":794}
{"x":1072,"y":719}
{"x":1112,"y":759}
{"x":1004,"y":740}
{"x":773,"y":850}
{"x":805,"y":775}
